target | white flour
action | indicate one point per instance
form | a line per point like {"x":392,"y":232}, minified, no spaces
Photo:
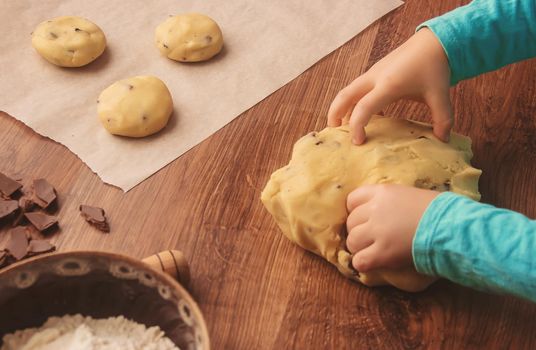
{"x":85,"y":333}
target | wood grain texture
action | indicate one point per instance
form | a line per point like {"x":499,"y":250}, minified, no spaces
{"x":256,"y":289}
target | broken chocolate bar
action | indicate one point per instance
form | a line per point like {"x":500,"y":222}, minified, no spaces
{"x":41,"y":221}
{"x":44,"y":193}
{"x":95,"y":216}
{"x":25,"y":205}
{"x":40,"y":246}
{"x":3,"y":258}
{"x":7,"y":208}
{"x":8,"y":186}
{"x":17,"y":246}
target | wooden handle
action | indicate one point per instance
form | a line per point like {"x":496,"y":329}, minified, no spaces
{"x":171,"y":262}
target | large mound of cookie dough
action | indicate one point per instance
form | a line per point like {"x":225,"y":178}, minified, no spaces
{"x":307,"y":198}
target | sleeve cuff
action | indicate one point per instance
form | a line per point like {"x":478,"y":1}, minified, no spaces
{"x":423,"y":241}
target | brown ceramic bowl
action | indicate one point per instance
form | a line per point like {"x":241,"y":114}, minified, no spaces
{"x":100,"y":285}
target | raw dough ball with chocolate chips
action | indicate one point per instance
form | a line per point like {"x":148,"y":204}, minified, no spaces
{"x":69,"y":41}
{"x":307,"y":198}
{"x":190,"y":37}
{"x":135,"y":107}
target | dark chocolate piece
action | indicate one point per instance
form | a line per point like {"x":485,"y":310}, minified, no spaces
{"x":95,"y":216}
{"x":44,"y":193}
{"x":8,"y":186}
{"x":40,"y":246}
{"x":25,"y":205}
{"x":3,"y":258}
{"x":41,"y":221}
{"x":7,"y":208}
{"x":17,"y":246}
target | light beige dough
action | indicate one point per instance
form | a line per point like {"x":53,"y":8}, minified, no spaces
{"x":69,"y":41}
{"x":307,"y":198}
{"x":190,"y":37}
{"x":135,"y":107}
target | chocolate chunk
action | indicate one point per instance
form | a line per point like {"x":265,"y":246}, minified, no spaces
{"x":25,"y":205}
{"x":7,"y":208}
{"x":40,"y":246}
{"x":3,"y":258}
{"x":41,"y":221}
{"x":95,"y":216}
{"x":17,"y":246}
{"x":8,"y":186}
{"x":77,"y":29}
{"x":44,"y":193}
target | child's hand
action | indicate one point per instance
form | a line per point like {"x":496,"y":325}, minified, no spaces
{"x":417,"y":70}
{"x":382,"y":222}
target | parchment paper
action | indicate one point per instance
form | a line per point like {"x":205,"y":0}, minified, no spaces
{"x":267,"y":44}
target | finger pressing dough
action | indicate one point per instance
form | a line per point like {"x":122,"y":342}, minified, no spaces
{"x":69,"y":41}
{"x":190,"y":37}
{"x":135,"y":107}
{"x":307,"y":198}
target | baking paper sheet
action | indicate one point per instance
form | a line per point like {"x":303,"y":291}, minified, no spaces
{"x":267,"y":44}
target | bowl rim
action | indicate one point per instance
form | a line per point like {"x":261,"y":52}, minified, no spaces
{"x":131,"y":260}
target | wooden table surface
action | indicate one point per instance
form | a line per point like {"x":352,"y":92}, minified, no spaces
{"x":256,"y":289}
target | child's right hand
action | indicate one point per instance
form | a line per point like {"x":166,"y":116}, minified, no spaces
{"x":418,"y":69}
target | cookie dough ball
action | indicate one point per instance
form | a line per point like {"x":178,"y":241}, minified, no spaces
{"x":135,"y":107}
{"x":190,"y":37}
{"x":69,"y":41}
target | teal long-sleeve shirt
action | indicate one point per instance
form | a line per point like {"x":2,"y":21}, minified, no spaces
{"x":477,"y":245}
{"x":486,"y":35}
{"x":470,"y":243}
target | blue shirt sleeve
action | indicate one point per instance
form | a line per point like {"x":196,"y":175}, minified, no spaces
{"x":477,"y":245}
{"x":486,"y":35}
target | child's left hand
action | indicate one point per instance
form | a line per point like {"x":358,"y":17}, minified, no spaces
{"x":382,"y":223}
